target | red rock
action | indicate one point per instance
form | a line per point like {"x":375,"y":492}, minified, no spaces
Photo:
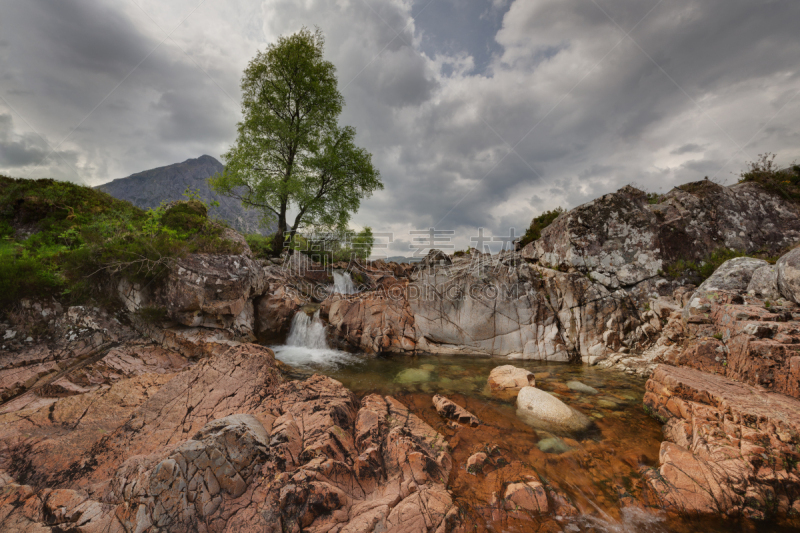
{"x":721,"y":434}
{"x":527,"y":495}
{"x":476,"y":462}
{"x":510,"y":378}
{"x":449,"y":409}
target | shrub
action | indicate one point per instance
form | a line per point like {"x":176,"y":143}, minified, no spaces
{"x":654,"y":198}
{"x":703,"y":269}
{"x":260,"y":245}
{"x":69,"y":235}
{"x":782,"y":181}
{"x":534,"y":231}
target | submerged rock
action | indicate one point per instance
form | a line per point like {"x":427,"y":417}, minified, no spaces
{"x":413,"y":375}
{"x":545,"y":411}
{"x":476,"y":462}
{"x":510,"y":378}
{"x":528,"y":495}
{"x":577,"y":386}
{"x":449,"y":409}
{"x":553,"y":445}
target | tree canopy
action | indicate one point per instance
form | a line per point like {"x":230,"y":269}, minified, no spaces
{"x":291,"y":156}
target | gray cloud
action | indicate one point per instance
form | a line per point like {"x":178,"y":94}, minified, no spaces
{"x":479,"y":114}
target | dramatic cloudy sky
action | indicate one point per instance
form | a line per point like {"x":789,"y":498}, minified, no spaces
{"x":479,"y":113}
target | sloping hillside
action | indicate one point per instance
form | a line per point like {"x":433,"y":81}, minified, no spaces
{"x":152,"y":187}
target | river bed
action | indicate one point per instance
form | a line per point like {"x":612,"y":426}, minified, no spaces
{"x":599,"y":472}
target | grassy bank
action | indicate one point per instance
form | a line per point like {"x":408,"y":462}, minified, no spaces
{"x":61,"y":239}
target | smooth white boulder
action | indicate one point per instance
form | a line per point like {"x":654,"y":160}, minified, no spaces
{"x":544,"y":411}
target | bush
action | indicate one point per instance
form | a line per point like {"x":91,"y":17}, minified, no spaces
{"x":534,"y":232}
{"x":702,"y":270}
{"x":654,"y":198}
{"x":260,"y":245}
{"x":782,"y":181}
{"x":58,"y":238}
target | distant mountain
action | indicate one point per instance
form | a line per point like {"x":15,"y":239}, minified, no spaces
{"x":402,"y":259}
{"x":164,"y":184}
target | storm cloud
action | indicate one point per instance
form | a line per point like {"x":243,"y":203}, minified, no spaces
{"x":478,"y":113}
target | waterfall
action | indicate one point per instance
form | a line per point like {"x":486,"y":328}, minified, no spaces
{"x":308,"y":332}
{"x":306,"y":347}
{"x":343,"y":283}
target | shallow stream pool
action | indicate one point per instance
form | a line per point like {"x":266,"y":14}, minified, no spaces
{"x":600,"y":472}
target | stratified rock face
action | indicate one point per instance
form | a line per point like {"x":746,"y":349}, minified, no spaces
{"x":206,"y":290}
{"x":730,"y":447}
{"x":223,"y":446}
{"x":723,"y":333}
{"x":492,"y":306}
{"x":620,"y":239}
{"x":788,"y":277}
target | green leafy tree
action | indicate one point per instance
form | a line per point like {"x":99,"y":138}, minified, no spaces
{"x":291,"y":157}
{"x":363,"y":242}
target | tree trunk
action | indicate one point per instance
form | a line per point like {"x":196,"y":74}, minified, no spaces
{"x":277,"y":240}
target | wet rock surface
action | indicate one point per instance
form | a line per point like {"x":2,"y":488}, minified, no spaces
{"x":449,"y":409}
{"x":545,"y":411}
{"x":508,"y":378}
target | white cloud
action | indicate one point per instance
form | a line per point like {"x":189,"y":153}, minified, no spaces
{"x":696,"y":89}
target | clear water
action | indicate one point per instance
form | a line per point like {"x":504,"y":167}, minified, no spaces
{"x":598,"y":471}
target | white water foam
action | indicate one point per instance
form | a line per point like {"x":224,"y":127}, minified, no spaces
{"x":633,"y":520}
{"x":343,"y":283}
{"x":306,"y":346}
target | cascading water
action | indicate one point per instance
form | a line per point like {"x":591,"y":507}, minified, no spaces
{"x":308,"y":332}
{"x":343,"y":283}
{"x":306,"y":345}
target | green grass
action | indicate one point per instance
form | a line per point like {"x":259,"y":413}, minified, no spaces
{"x":61,"y":239}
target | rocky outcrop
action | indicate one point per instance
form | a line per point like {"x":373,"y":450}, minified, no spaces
{"x":492,"y":305}
{"x":733,"y":275}
{"x":205,"y":290}
{"x":621,"y":239}
{"x":730,"y":448}
{"x":222,"y":446}
{"x":764,"y":283}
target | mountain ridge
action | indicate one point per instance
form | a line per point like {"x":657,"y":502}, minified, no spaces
{"x":150,"y":188}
